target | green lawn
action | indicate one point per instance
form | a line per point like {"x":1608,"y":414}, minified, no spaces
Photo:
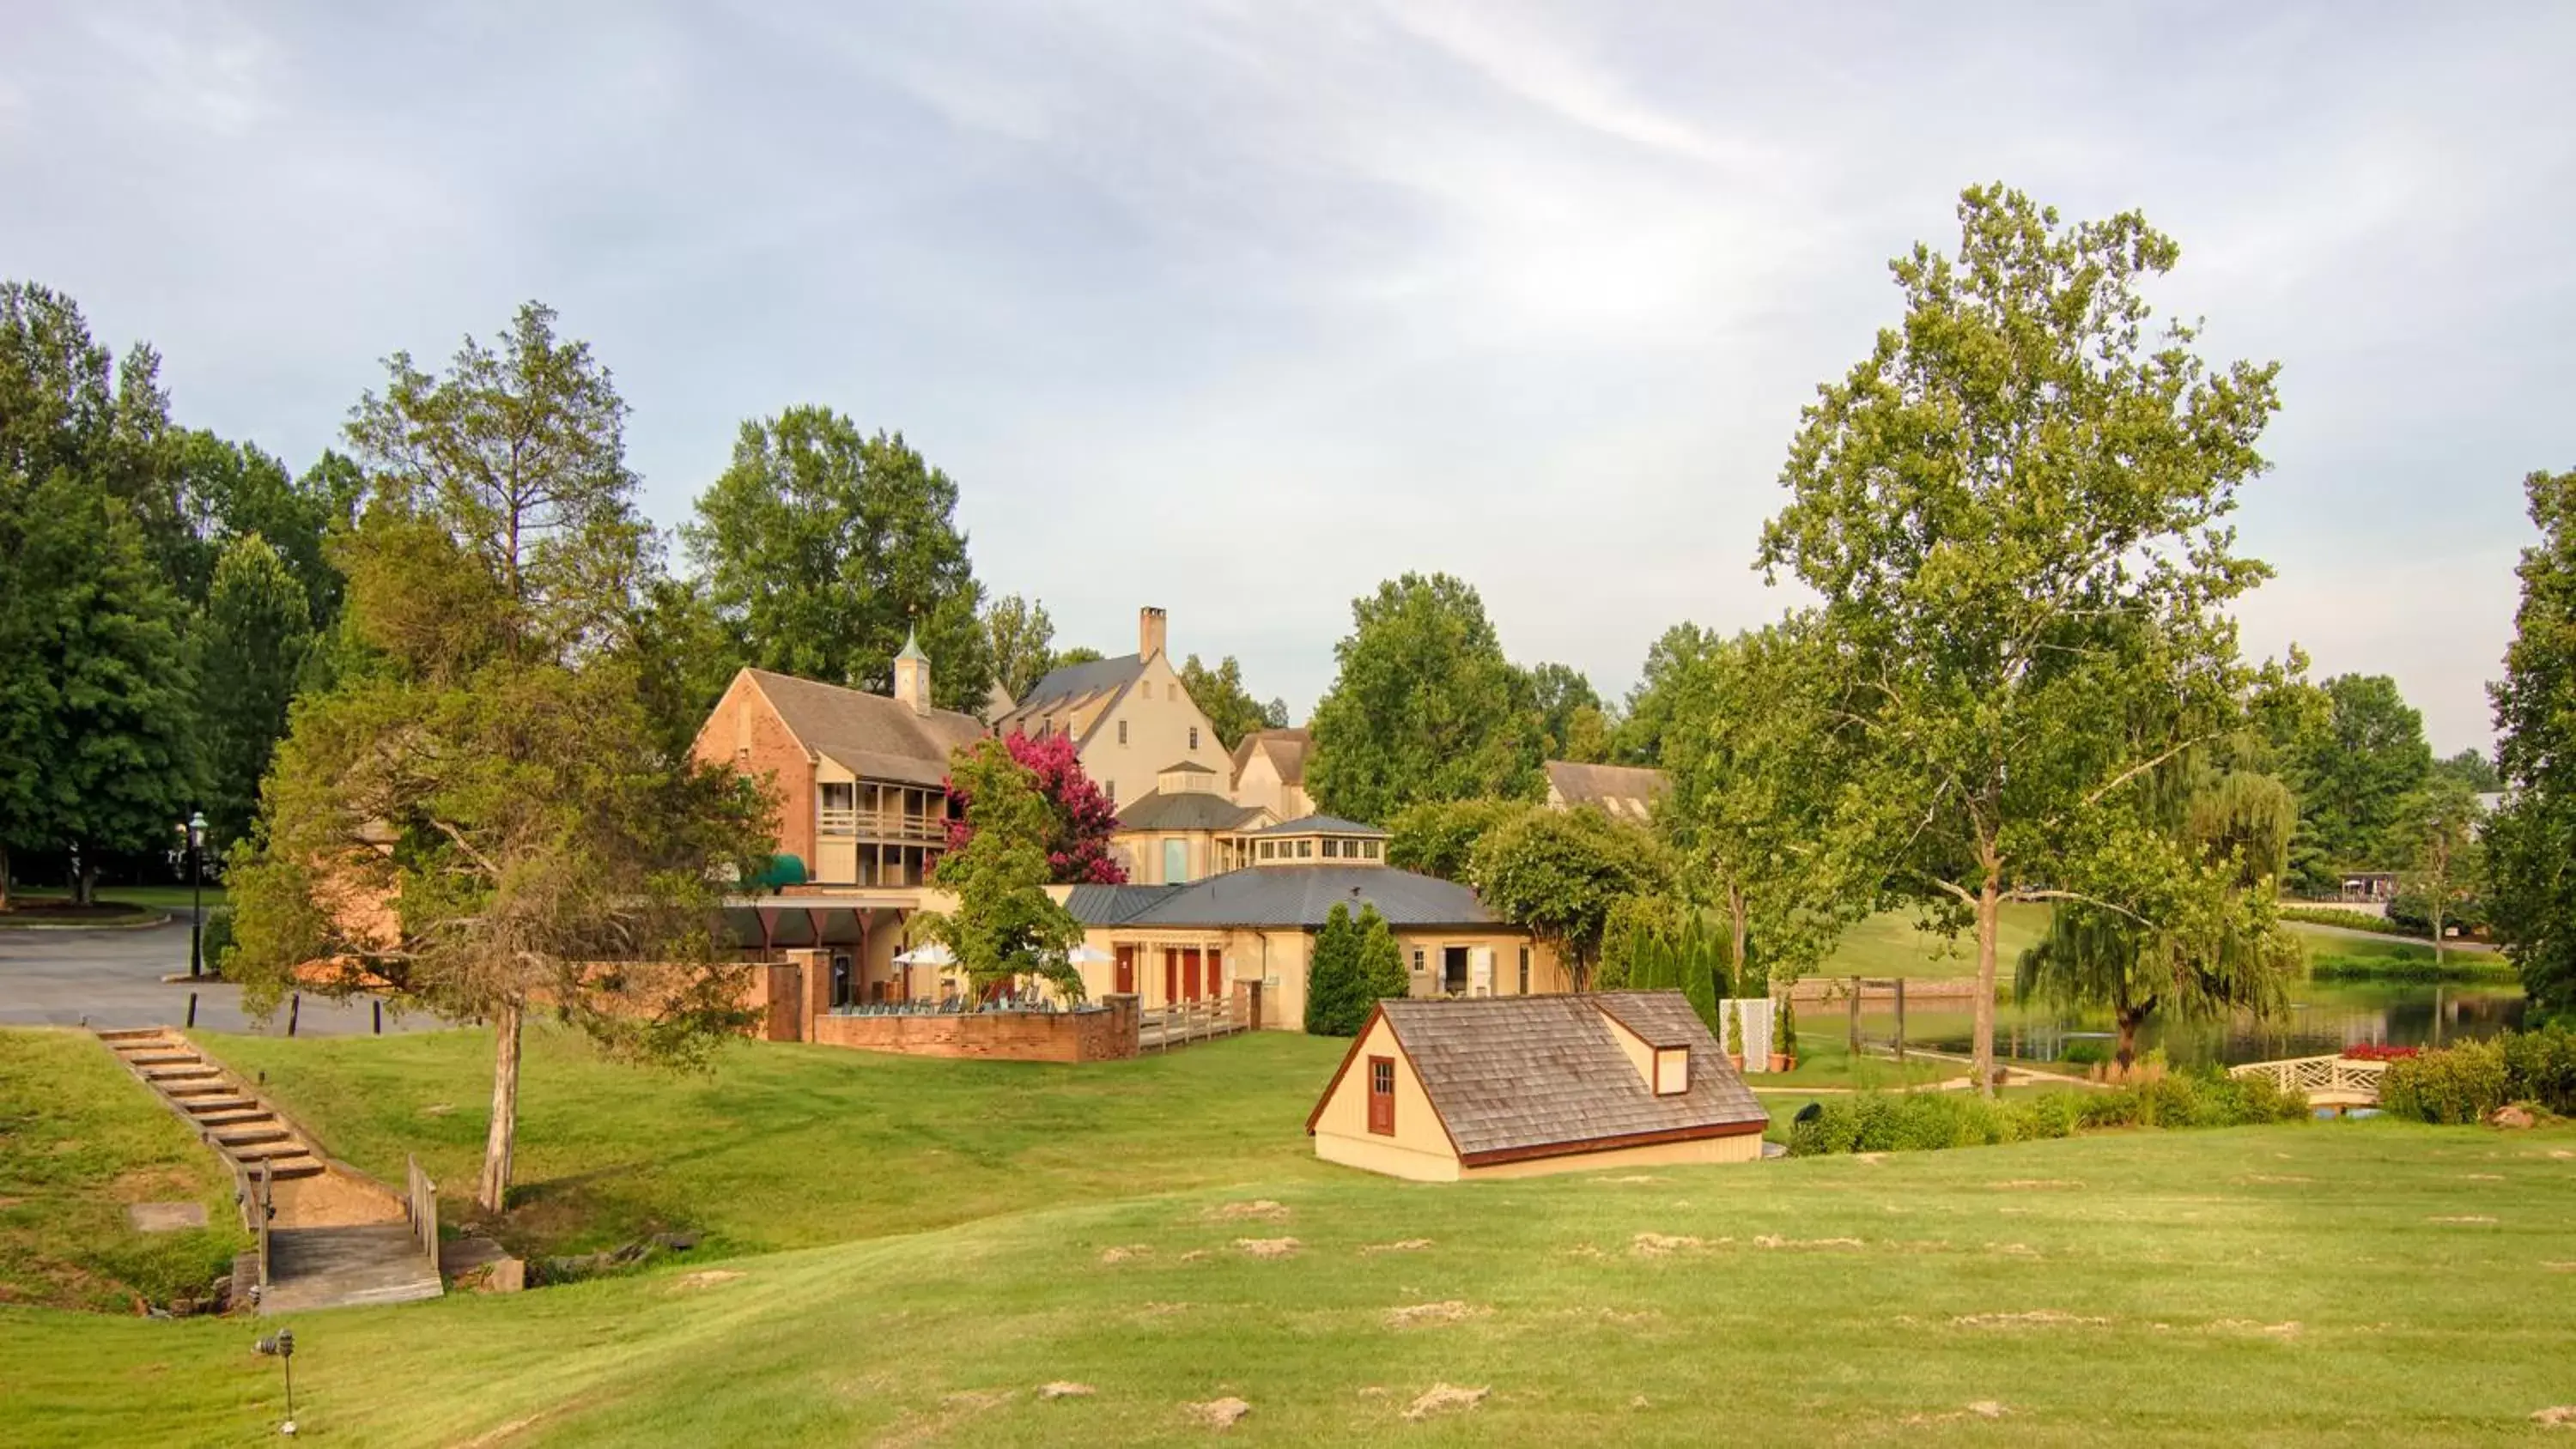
{"x":789,"y":1146}
{"x":159,"y":897}
{"x":2355,"y":1283}
{"x":1887,"y":944}
{"x":80,"y":1139}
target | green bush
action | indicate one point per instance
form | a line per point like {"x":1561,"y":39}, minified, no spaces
{"x":2413,"y":910}
{"x":2349,"y":920}
{"x":2460,"y":1084}
{"x":216,"y":941}
{"x":2083,"y":1053}
{"x":2464,"y":1083}
{"x":2458,"y":966}
{"x":1923,"y":1121}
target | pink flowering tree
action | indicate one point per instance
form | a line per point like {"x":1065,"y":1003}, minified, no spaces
{"x":1077,"y":848}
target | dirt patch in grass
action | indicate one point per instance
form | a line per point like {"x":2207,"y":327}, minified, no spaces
{"x":1633,"y":1177}
{"x":2472,"y":1219}
{"x":2035,"y":1184}
{"x":2036,"y":1318}
{"x":2274,"y":1179}
{"x":2556,"y":1416}
{"x":1262,"y":1209}
{"x":1417,"y":1315}
{"x":1222,"y":1413}
{"x":1065,"y":1389}
{"x":1659,"y":1245}
{"x":153,"y":1184}
{"x":1981,"y":1409}
{"x":1267,"y":1247}
{"x":706,"y":1277}
{"x":1443,"y":1399}
{"x":1773,"y":1240}
{"x":1122,"y":1253}
{"x":2290,"y":1329}
{"x":1408,"y":1245}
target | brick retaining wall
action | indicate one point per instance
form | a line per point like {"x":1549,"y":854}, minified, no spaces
{"x":1014,"y":1036}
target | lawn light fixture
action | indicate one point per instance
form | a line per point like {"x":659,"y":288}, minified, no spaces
{"x":195,"y":832}
{"x":281,"y":1346}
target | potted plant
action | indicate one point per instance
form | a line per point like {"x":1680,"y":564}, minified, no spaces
{"x":1784,"y":1036}
{"x":1735,"y":1035}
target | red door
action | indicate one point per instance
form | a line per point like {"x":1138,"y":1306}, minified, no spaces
{"x":1190,"y":970}
{"x":1171,"y":975}
{"x":1381,"y":1090}
{"x":1216,"y":974}
{"x":1126,"y":969}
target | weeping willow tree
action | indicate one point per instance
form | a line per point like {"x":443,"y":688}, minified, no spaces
{"x":2210,"y":940}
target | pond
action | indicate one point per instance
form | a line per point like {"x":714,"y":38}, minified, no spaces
{"x":2323,"y":1017}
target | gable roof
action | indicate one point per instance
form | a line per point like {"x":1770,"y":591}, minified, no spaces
{"x":1322,"y":825}
{"x":1187,"y":810}
{"x":869,"y":735}
{"x":1192,"y":767}
{"x":1514,"y":1077}
{"x":1072,"y":698}
{"x":1299,"y":896}
{"x":1629,"y":791}
{"x":1286,"y":749}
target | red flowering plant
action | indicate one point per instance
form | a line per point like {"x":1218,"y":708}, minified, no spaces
{"x":2366,"y":1052}
{"x":1077,"y":847}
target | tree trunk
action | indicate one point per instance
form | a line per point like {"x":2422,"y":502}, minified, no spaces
{"x":2437,"y":926}
{"x":1735,"y":908}
{"x":2127,"y":1055}
{"x":85,"y":885}
{"x":495,"y":1187}
{"x":4,"y":877}
{"x":1989,"y":911}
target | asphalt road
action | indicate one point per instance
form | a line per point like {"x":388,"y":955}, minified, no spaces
{"x":113,"y":978}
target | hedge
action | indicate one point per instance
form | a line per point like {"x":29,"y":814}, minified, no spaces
{"x":1922,"y":1121}
{"x":2467,"y":1082}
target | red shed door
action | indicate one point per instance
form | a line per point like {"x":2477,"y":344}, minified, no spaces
{"x":1381,"y":1090}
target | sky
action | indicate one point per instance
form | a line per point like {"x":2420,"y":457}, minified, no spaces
{"x":1239,"y":308}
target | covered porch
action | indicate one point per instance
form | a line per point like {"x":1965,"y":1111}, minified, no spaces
{"x":857,"y":940}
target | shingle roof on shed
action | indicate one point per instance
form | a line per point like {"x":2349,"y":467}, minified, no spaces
{"x":1517,"y":1076}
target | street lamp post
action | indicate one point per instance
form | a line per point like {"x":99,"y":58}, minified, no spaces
{"x":196,"y":832}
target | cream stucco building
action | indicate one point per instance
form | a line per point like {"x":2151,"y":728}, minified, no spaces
{"x":1130,"y":718}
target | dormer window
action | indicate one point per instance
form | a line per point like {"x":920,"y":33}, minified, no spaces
{"x":1672,"y":1071}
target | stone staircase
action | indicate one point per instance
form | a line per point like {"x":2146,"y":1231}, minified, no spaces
{"x":336,"y":1238}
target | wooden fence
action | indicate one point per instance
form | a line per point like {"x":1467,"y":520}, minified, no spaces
{"x":1189,"y":1021}
{"x":420,"y":1205}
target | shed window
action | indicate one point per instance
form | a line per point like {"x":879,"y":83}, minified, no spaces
{"x":1381,"y":1090}
{"x":1122,"y":732}
{"x":1672,"y":1071}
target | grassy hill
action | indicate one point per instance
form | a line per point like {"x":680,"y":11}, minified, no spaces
{"x":2363,"y":1282}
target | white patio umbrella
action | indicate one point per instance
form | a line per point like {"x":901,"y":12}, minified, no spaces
{"x":1088,"y":956}
{"x":933,"y":954}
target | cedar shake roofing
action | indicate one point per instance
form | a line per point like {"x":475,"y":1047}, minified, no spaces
{"x":1322,"y":825}
{"x":1299,"y":896}
{"x":1187,"y":810}
{"x":869,"y":735}
{"x":1536,"y":1076}
{"x":1629,"y":791}
{"x":1287,"y":750}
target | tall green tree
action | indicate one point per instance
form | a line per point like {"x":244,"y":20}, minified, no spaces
{"x":1230,"y":708}
{"x":2531,"y":842}
{"x":1425,"y":707}
{"x":1639,"y":739}
{"x":233,"y":489}
{"x":1333,"y":984}
{"x":1749,"y":746}
{"x":2216,"y":944}
{"x":1560,"y":874}
{"x":2013,"y":510}
{"x":2471,"y":769}
{"x":1570,"y":717}
{"x":823,"y":546}
{"x":1438,"y":837}
{"x":2443,"y":865}
{"x":1005,"y":926}
{"x":486,"y":818}
{"x":1381,"y":963}
{"x":2355,"y":775}
{"x":95,"y":694}
{"x":251,"y":643}
{"x":1020,"y":638}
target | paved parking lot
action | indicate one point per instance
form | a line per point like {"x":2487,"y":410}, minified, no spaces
{"x":113,"y":978}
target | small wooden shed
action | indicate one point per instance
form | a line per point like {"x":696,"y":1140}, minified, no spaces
{"x":1515,"y":1086}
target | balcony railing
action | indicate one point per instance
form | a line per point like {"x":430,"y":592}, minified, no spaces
{"x":893,"y":827}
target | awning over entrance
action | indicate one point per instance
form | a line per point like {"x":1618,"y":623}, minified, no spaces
{"x":781,"y":923}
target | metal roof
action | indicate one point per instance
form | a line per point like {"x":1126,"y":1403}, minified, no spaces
{"x":1321,"y":825}
{"x":1300,"y":896}
{"x":1186,"y":810}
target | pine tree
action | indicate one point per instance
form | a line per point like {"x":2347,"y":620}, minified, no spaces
{"x":1381,"y":963}
{"x":1332,"y":976}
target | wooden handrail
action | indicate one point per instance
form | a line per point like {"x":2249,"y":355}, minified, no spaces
{"x":420,"y":1206}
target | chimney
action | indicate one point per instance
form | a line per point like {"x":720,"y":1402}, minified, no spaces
{"x":1149,"y":632}
{"x":912,"y":675}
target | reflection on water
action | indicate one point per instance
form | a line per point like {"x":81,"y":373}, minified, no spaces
{"x":2323,"y":1017}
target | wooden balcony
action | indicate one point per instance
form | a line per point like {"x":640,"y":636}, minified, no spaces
{"x":884,"y":829}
